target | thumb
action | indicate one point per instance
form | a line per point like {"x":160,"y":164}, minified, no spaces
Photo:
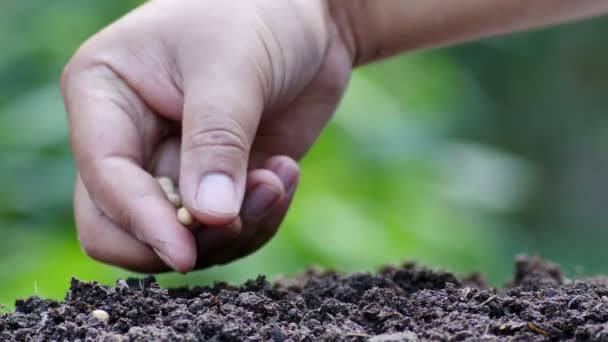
{"x":219,"y":124}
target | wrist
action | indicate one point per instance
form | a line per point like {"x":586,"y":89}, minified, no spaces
{"x":373,"y":29}
{"x":357,"y":26}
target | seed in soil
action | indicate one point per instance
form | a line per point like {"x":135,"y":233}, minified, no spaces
{"x":101,"y":315}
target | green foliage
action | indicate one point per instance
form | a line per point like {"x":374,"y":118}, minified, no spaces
{"x":457,"y":158}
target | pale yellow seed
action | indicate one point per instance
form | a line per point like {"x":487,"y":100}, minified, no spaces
{"x":175,"y":199}
{"x":100,"y":315}
{"x":184,"y":217}
{"x":167,"y":184}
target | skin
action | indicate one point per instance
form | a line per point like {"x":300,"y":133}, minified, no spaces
{"x":225,"y":97}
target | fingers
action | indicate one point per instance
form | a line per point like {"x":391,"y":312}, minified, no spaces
{"x":264,"y":191}
{"x":289,"y":173}
{"x":111,"y":132}
{"x":167,"y":163}
{"x":257,"y":229}
{"x":269,"y":193}
{"x":103,"y":241}
{"x":221,"y":115}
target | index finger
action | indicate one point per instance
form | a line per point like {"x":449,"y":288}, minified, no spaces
{"x":112,"y":131}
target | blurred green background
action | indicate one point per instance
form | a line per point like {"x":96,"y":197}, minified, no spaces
{"x":458,"y":158}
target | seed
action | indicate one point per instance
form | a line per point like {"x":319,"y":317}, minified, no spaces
{"x":100,"y":315}
{"x":184,"y":217}
{"x":167,"y":184}
{"x":175,"y":199}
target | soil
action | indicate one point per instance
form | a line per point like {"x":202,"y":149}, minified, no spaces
{"x":407,"y":303}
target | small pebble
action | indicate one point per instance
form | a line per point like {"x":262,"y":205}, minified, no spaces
{"x":100,"y":315}
{"x":184,"y":217}
{"x":167,"y":184}
{"x":175,"y":199}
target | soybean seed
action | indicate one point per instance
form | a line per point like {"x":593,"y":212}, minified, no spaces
{"x":100,"y":315}
{"x":175,"y":199}
{"x":167,"y":184}
{"x":184,"y":217}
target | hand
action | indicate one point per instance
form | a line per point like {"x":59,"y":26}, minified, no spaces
{"x":221,"y":96}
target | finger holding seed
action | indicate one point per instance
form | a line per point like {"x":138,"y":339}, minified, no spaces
{"x":170,"y":190}
{"x":183,"y":215}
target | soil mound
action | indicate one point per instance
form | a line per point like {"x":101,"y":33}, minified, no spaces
{"x":407,"y":303}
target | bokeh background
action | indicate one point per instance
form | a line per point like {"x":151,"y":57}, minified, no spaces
{"x":458,"y":158}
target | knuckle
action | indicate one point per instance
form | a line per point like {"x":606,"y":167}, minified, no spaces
{"x":75,"y":66}
{"x":226,"y":135}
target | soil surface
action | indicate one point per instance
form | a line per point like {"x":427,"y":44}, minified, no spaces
{"x":407,"y":303}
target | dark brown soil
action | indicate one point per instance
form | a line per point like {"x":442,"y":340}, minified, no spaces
{"x":398,"y":304}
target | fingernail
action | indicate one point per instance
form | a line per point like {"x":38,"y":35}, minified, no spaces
{"x":216,"y":194}
{"x":165,"y":259}
{"x":289,"y":178}
{"x":291,"y":186}
{"x":258,"y":203}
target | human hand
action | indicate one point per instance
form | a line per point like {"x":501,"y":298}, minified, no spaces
{"x":221,"y":96}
